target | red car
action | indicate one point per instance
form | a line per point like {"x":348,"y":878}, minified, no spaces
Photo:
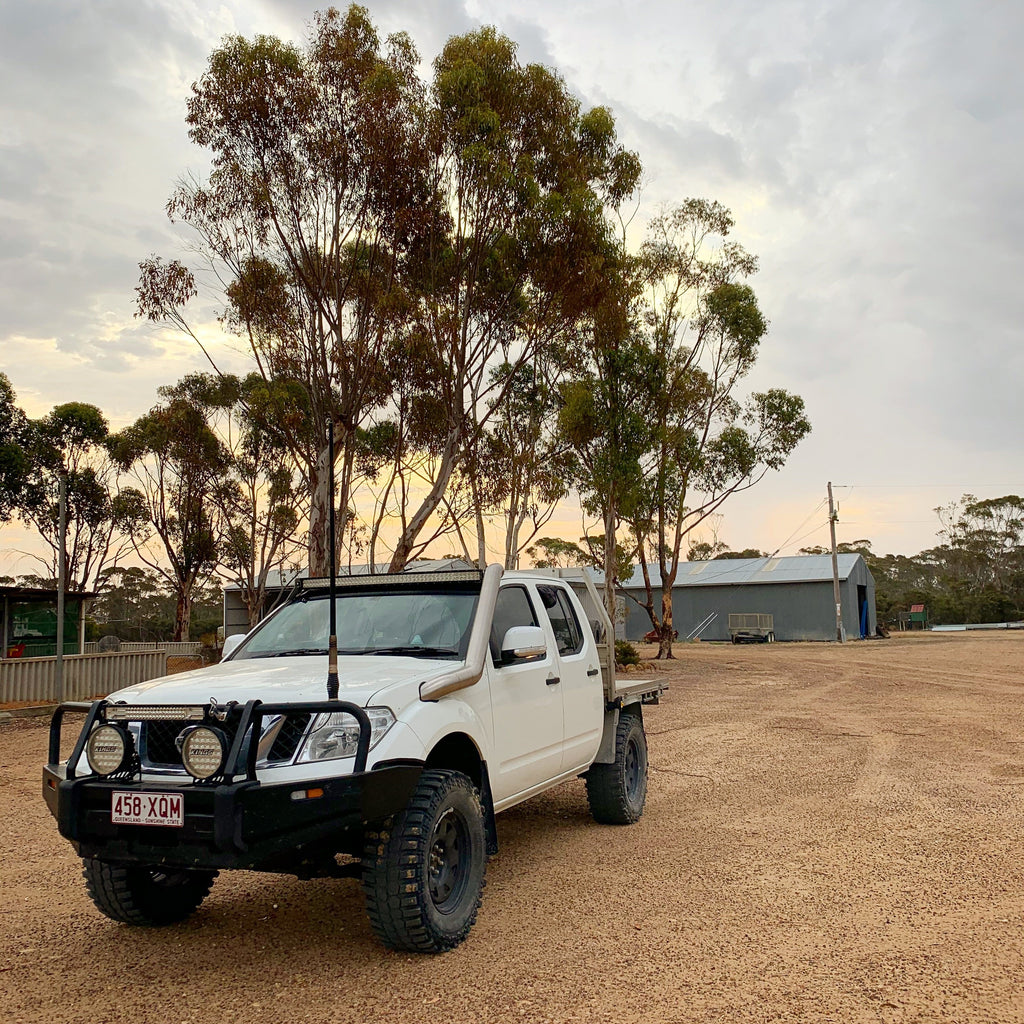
{"x":654,"y":636}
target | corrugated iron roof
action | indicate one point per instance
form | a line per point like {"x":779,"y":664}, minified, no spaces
{"x":731,"y":571}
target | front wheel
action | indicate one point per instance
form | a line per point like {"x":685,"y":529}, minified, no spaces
{"x":423,"y":870}
{"x":617,"y":792}
{"x":142,"y":894}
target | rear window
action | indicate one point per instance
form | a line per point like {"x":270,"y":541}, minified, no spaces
{"x":562,"y":616}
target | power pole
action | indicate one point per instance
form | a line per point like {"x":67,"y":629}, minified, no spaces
{"x":833,"y":517}
{"x":62,"y":536}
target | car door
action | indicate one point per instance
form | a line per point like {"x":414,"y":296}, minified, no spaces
{"x":579,"y":674}
{"x":526,"y":705}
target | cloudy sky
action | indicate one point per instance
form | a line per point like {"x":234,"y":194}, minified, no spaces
{"x":871,"y":152}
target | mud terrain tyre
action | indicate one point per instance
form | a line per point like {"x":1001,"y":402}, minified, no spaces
{"x":617,"y":792}
{"x":146,"y":895}
{"x":423,"y":869}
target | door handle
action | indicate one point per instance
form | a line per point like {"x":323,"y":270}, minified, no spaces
{"x":592,"y":671}
{"x":551,"y":680}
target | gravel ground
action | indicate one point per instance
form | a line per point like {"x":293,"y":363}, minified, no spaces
{"x":831,"y":834}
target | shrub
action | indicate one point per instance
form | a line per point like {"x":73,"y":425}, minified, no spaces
{"x":626,"y":653}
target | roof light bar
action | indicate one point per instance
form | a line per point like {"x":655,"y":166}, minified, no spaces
{"x":388,"y":579}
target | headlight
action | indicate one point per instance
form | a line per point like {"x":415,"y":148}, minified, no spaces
{"x":109,"y":749}
{"x":337,"y":734}
{"x":203,"y":751}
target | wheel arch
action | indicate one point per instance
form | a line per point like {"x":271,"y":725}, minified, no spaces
{"x":457,"y":752}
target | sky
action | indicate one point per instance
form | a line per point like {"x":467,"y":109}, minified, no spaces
{"x":870,"y":151}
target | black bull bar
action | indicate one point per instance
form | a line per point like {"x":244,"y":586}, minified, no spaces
{"x":235,"y":820}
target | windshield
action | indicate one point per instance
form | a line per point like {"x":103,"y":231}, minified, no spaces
{"x":409,"y":621}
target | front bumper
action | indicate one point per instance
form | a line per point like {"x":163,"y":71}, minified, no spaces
{"x":238,"y":825}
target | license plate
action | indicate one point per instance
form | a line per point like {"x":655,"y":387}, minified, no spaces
{"x":147,"y":809}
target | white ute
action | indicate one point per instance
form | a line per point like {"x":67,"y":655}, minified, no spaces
{"x":461,"y":694}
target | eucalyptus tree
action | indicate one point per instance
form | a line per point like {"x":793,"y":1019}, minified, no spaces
{"x":360,"y":220}
{"x":704,"y":328}
{"x":176,"y":462}
{"x":14,"y":459}
{"x":607,"y":416}
{"x":520,"y":469}
{"x":514,"y":252}
{"x":317,"y":188}
{"x":70,"y":441}
{"x":986,"y":542}
{"x":257,"y":505}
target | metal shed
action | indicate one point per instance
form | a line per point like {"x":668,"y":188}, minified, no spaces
{"x":28,"y":622}
{"x":796,"y":590}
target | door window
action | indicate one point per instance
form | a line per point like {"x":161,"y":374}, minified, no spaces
{"x":512,"y":608}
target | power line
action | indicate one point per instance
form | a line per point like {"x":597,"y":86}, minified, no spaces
{"x":809,"y":533}
{"x":948,"y":487}
{"x":786,"y":542}
{"x":887,"y":522}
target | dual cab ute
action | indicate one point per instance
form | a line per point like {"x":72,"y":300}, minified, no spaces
{"x":461,"y":694}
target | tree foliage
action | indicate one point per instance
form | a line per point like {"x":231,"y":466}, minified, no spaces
{"x":176,"y":461}
{"x":555,"y":552}
{"x":608,"y":413}
{"x":14,"y":459}
{"x":257,"y":504}
{"x":135,"y":605}
{"x":317,"y":189}
{"x":384,"y":243}
{"x":71,"y":441}
{"x":704,"y":329}
{"x":520,"y":469}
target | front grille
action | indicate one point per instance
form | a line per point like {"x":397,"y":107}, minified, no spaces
{"x":158,"y":746}
{"x":293,"y":728}
{"x":159,"y":750}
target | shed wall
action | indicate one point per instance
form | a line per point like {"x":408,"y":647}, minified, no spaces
{"x":802,"y":611}
{"x":236,"y":617}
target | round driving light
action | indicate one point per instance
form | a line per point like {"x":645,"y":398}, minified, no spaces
{"x":203,"y":751}
{"x":107,"y":749}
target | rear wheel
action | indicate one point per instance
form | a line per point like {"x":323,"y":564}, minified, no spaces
{"x":617,"y":792}
{"x":143,"y":894}
{"x":423,"y":870}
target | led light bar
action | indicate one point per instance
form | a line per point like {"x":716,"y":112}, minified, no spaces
{"x":389,"y":579}
{"x":153,"y":713}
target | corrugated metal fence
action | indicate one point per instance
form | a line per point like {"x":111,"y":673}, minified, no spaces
{"x":179,"y":649}
{"x":85,"y":675}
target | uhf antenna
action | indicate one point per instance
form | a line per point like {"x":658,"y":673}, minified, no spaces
{"x":332,"y":641}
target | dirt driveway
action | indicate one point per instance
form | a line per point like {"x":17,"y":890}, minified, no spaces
{"x":832,"y":834}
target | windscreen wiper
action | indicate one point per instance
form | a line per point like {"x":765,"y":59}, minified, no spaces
{"x":291,"y":654}
{"x":414,"y":649}
{"x":311,"y":650}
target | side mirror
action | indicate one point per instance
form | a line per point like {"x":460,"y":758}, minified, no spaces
{"x":231,"y":644}
{"x":523,"y":643}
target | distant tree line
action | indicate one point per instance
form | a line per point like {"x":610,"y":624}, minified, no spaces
{"x":439,"y":271}
{"x":975,"y":573}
